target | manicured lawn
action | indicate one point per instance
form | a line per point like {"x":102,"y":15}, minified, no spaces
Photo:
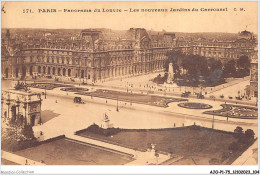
{"x":190,"y":105}
{"x":66,"y":152}
{"x":133,"y":97}
{"x":202,"y":143}
{"x":48,"y":86}
{"x":74,"y":89}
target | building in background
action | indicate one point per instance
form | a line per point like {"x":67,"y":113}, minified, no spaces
{"x":103,"y":54}
{"x":254,"y":75}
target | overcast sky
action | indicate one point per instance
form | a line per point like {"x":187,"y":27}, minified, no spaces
{"x":230,"y":21}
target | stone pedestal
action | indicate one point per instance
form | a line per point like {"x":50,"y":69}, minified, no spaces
{"x":170,"y":74}
{"x":105,"y":123}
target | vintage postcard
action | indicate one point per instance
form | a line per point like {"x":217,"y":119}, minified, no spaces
{"x":129,"y":83}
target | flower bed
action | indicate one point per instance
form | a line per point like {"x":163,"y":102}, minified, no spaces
{"x":235,"y":111}
{"x":48,"y":86}
{"x":133,"y":97}
{"x":74,"y":89}
{"x":190,"y":105}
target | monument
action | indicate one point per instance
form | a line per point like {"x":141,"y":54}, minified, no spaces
{"x":105,"y":122}
{"x":170,"y":74}
{"x":20,"y":103}
{"x":151,"y":155}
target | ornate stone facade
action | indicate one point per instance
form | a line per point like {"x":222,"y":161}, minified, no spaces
{"x":254,"y":76}
{"x":96,"y":55}
{"x":221,"y":49}
{"x":18,"y":103}
{"x":94,"y":58}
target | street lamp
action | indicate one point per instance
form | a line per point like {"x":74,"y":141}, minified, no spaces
{"x":117,"y":105}
{"x":25,"y":120}
{"x":8,"y":104}
{"x":45,"y":92}
{"x":213,"y":122}
{"x":18,"y":105}
{"x":131,"y":99}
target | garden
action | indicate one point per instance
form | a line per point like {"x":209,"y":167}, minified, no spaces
{"x":47,"y":86}
{"x":204,"y":145}
{"x":74,"y":89}
{"x":235,"y":111}
{"x":191,"y":105}
{"x":133,"y":97}
{"x":67,"y":152}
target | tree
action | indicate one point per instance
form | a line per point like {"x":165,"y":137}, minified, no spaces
{"x":249,"y":134}
{"x":229,"y":69}
{"x":27,"y":131}
{"x":238,"y":130}
{"x":243,"y":64}
{"x":239,"y":133}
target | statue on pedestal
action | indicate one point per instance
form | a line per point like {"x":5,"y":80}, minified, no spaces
{"x":170,"y":74}
{"x":105,"y":122}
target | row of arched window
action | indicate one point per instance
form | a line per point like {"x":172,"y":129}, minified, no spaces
{"x":54,"y":71}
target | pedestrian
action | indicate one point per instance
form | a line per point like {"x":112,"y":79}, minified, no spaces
{"x":106,"y":101}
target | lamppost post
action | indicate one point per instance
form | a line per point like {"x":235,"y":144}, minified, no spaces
{"x":117,"y":105}
{"x":25,"y":106}
{"x":131,"y":99}
{"x":45,"y":93}
{"x":213,"y":122}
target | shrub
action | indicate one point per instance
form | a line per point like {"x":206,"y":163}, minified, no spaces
{"x":249,"y":134}
{"x":238,"y":132}
{"x":98,"y":130}
{"x":247,"y":137}
{"x":27,"y":131}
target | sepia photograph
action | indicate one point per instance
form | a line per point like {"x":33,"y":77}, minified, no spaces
{"x":129,"y":83}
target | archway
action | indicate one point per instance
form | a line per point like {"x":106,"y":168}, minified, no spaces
{"x":49,"y":70}
{"x":39,"y":69}
{"x":82,"y":73}
{"x":69,"y":72}
{"x":53,"y":71}
{"x":16,"y":72}
{"x":31,"y":70}
{"x":32,"y":120}
{"x":13,"y":112}
{"x":44,"y":70}
{"x":64,"y":72}
{"x":59,"y":72}
{"x":23,"y":71}
{"x":6,"y":73}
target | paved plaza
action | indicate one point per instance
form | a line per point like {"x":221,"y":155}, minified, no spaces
{"x":71,"y":117}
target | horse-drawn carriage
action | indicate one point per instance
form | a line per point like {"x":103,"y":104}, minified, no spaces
{"x":78,"y":100}
{"x":185,"y":94}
